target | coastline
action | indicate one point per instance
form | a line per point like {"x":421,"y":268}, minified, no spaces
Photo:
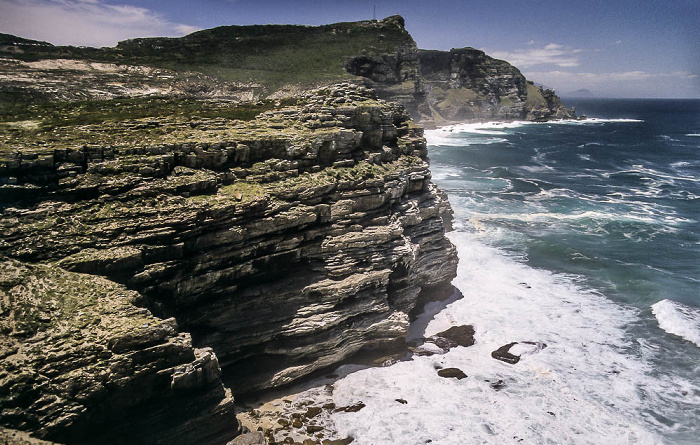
{"x":587,"y":373}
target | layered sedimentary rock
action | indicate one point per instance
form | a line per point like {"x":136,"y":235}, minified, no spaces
{"x":466,"y":84}
{"x":82,"y":364}
{"x":279,"y":246}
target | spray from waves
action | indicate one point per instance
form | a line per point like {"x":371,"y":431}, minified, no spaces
{"x":447,"y":141}
{"x":582,"y":388}
{"x":678,"y":319}
{"x":495,"y":127}
{"x":466,"y":134}
{"x":650,"y":173}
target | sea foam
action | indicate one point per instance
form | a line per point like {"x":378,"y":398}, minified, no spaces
{"x":581,"y":388}
{"x":678,"y":319}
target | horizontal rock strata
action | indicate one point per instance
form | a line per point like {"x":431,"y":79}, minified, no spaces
{"x":82,"y":364}
{"x":285,"y":244}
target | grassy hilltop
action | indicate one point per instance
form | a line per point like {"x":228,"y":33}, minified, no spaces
{"x":257,"y":65}
{"x":270,"y":56}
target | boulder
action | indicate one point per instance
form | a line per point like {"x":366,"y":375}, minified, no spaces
{"x":512,"y":352}
{"x":452,"y":373}
{"x":252,"y":438}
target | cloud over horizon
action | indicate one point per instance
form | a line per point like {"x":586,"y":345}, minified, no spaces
{"x":84,"y":22}
{"x":552,"y":54}
{"x":617,"y":84}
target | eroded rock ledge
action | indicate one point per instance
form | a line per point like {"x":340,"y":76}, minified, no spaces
{"x":82,"y":364}
{"x":285,"y":244}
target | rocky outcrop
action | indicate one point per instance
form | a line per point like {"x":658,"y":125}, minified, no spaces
{"x":280,"y":246}
{"x":452,"y":373}
{"x":55,"y":80}
{"x":512,"y":352}
{"x":465,"y":85}
{"x":82,"y":364}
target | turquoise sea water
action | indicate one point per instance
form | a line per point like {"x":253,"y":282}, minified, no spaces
{"x":582,"y":237}
{"x":612,"y":204}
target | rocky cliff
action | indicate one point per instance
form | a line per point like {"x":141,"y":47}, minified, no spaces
{"x":465,"y":84}
{"x":186,"y":219}
{"x":249,"y":63}
{"x":254,"y":251}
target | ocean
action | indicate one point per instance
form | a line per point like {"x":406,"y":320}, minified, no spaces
{"x":581,"y":237}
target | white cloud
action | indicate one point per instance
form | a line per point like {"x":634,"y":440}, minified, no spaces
{"x":84,"y":22}
{"x":622,"y":83}
{"x":620,"y":76}
{"x":552,"y":54}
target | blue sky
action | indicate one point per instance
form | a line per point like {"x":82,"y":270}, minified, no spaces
{"x":615,"y":48}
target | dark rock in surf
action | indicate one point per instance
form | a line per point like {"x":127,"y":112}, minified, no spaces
{"x":452,"y":373}
{"x":505,"y":354}
{"x":459,"y":335}
{"x":254,"y":438}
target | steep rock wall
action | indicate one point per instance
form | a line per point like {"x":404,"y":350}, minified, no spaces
{"x":466,"y":84}
{"x":285,"y":244}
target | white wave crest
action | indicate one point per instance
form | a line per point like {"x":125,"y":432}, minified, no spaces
{"x":678,"y":319}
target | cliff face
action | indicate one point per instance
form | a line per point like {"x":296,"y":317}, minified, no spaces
{"x":159,"y":253}
{"x":465,"y":84}
{"x":285,"y":244}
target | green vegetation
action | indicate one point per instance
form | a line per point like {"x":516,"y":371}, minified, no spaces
{"x":508,"y":101}
{"x":270,"y":55}
{"x":534,"y":97}
{"x":147,"y":120}
{"x":50,"y":115}
{"x":458,"y":97}
{"x":243,"y":191}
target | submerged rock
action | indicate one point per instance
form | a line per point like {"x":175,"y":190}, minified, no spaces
{"x":498,"y":385}
{"x":351,"y":408}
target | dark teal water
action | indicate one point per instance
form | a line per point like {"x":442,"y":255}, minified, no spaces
{"x":611,"y":203}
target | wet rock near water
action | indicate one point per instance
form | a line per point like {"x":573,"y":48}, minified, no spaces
{"x":303,"y":418}
{"x":512,"y":352}
{"x":457,"y":336}
{"x":442,"y":342}
{"x":452,"y":373}
{"x":254,"y":438}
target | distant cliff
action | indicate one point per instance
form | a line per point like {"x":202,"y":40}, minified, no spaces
{"x":465,"y":84}
{"x":249,"y":63}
